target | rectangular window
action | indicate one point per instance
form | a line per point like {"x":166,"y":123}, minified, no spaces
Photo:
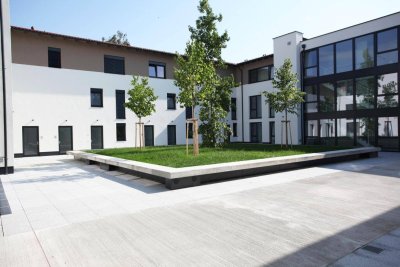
{"x":171,"y":131}
{"x":364,"y":51}
{"x":233,"y":108}
{"x":271,"y":112}
{"x":327,"y":132}
{"x":326,"y":97}
{"x":260,"y":74}
{"x":325,"y":60}
{"x":96,"y":97}
{"x":311,"y":132}
{"x":189,"y":112}
{"x":365,"y":131}
{"x":311,"y":99}
{"x":255,"y":107}
{"x":345,"y":132}
{"x":387,"y":47}
{"x":189,"y":129}
{"x":157,"y":70}
{"x":310,"y":64}
{"x":171,"y":101}
{"x":121,"y":132}
{"x":365,"y":92}
{"x":54,"y":57}
{"x":388,"y":91}
{"x":272,"y":132}
{"x":255,"y":132}
{"x":114,"y":65}
{"x":388,"y":133}
{"x":344,"y":99}
{"x":234,"y":129}
{"x":344,"y":56}
{"x":119,"y":103}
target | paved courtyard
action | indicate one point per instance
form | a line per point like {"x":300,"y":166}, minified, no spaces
{"x":56,"y":211}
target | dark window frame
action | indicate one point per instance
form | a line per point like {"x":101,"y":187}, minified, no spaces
{"x":171,"y":126}
{"x":120,"y":110}
{"x":233,"y":109}
{"x":112,"y":69}
{"x":256,"y":71}
{"x":120,"y":137}
{"x":377,"y":53}
{"x":234,"y":129}
{"x":155,"y":65}
{"x":53,"y":62}
{"x":96,"y":91}
{"x":173,"y":97}
{"x":257,"y":109}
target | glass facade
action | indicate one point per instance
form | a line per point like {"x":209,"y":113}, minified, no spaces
{"x":352,"y":96}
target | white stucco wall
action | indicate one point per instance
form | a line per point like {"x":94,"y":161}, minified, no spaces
{"x":48,"y":98}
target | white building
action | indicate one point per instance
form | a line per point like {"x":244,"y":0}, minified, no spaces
{"x":65,"y":92}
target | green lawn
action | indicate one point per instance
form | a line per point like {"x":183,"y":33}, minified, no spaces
{"x":175,"y":156}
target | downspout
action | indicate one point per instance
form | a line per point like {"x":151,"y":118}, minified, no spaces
{"x":241,"y":91}
{"x":302,"y":53}
{"x":3,"y":72}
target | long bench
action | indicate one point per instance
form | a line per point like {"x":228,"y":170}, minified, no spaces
{"x":175,"y":178}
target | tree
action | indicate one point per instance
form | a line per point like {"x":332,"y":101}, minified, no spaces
{"x":119,"y":38}
{"x":192,"y":76}
{"x":288,"y":95}
{"x":215,"y":106}
{"x":141,"y":101}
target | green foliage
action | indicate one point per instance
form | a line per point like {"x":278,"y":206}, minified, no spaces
{"x":141,"y":98}
{"x":119,"y":38}
{"x":206,"y":33}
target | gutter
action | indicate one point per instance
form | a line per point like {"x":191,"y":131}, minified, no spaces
{"x":3,"y":72}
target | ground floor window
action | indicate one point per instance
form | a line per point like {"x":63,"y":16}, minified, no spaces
{"x":255,"y":132}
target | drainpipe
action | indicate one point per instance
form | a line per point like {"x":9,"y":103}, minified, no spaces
{"x":3,"y":72}
{"x":302,"y":53}
{"x":241,"y":91}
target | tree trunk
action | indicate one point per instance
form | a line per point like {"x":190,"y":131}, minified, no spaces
{"x":140,"y":133}
{"x":195,"y":135}
{"x":286,"y":127}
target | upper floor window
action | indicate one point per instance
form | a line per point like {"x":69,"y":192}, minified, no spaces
{"x":121,"y":131}
{"x":364,"y":51}
{"x":311,"y":99}
{"x":387,"y":91}
{"x":54,"y":57}
{"x":233,"y":108}
{"x":113,"y":64}
{"x":326,"y":97}
{"x":387,"y":47}
{"x":96,"y":97}
{"x":271,"y":111}
{"x":344,"y":56}
{"x":119,"y":103}
{"x":325,"y":60}
{"x":171,"y":101}
{"x":365,"y":92}
{"x":261,"y":74}
{"x":189,"y":112}
{"x":157,"y":70}
{"x":255,"y":107}
{"x":310,"y":64}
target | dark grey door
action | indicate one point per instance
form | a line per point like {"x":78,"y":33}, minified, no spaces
{"x":171,"y":135}
{"x":97,"y":137}
{"x":30,"y":136}
{"x":149,"y":135}
{"x":64,"y":139}
{"x":255,"y":132}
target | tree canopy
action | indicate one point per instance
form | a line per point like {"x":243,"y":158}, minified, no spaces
{"x":119,"y":38}
{"x":141,"y":98}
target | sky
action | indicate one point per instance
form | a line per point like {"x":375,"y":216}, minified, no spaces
{"x":163,"y":24}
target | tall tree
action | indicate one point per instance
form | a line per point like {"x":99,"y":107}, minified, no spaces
{"x":119,"y":38}
{"x":215,"y":107}
{"x":141,"y":101}
{"x":193,"y":77}
{"x":288,"y":95}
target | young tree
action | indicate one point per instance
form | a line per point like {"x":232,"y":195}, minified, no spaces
{"x":141,"y":101}
{"x":288,"y":95}
{"x":192,"y":76}
{"x":215,"y":107}
{"x":119,"y":38}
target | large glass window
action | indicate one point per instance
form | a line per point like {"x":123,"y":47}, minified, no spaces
{"x":365,"y":92}
{"x":260,"y":74}
{"x":255,"y":107}
{"x":344,"y":56}
{"x":96,"y":97}
{"x":364,"y":50}
{"x":119,"y":104}
{"x":365,"y":131}
{"x":387,"y":47}
{"x":327,"y":131}
{"x":311,"y":99}
{"x":326,"y":60}
{"x":54,"y":57}
{"x":388,"y":133}
{"x":326,"y":97}
{"x":344,"y":100}
{"x":310,"y":64}
{"x":113,"y":64}
{"x":255,"y":132}
{"x":311,"y":132}
{"x":387,"y":91}
{"x":157,"y":70}
{"x":345,"y":132}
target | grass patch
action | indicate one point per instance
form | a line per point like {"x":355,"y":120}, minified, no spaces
{"x":175,"y":156}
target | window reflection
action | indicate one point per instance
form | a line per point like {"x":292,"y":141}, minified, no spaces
{"x":344,"y":99}
{"x":326,"y":60}
{"x":365,"y":93}
{"x":364,"y":51}
{"x":326,"y":97}
{"x":344,"y":56}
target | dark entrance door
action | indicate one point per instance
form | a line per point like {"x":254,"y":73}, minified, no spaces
{"x":171,"y":135}
{"x":97,"y":137}
{"x":64,"y":139}
{"x":149,"y":135}
{"x":30,"y":140}
{"x":255,"y":132}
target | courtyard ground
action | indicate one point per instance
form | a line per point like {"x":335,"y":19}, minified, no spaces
{"x":56,"y":211}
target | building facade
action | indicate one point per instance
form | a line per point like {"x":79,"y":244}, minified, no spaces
{"x":67,"y":93}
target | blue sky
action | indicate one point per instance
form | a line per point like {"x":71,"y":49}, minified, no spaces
{"x":163,"y":24}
